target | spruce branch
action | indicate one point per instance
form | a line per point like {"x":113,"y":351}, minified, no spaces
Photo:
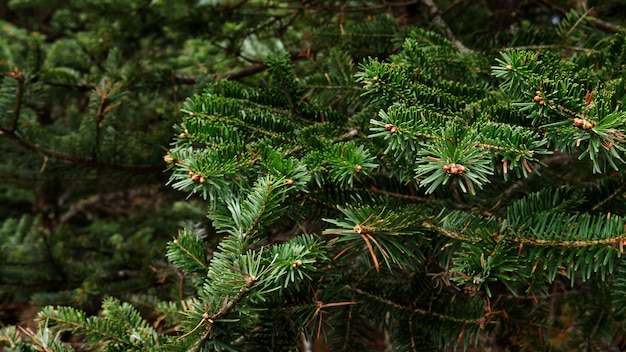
{"x":236,"y":122}
{"x":608,"y":198}
{"x":45,"y":339}
{"x":106,"y":91}
{"x":15,"y":74}
{"x":479,"y":321}
{"x":224,"y":310}
{"x":69,"y":319}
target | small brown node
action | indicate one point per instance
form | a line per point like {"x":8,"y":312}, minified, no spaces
{"x":579,"y":122}
{"x":454,"y":169}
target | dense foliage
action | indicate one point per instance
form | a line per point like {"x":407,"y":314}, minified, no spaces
{"x":373,"y":174}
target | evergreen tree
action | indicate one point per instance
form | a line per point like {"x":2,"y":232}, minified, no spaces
{"x":426,"y":189}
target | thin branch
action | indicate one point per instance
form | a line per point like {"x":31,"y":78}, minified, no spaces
{"x":605,"y":26}
{"x":611,"y":196}
{"x":401,"y":195}
{"x":260,"y":67}
{"x":615,"y":241}
{"x":451,"y":6}
{"x":596,"y":22}
{"x":435,"y":16}
{"x":479,"y":321}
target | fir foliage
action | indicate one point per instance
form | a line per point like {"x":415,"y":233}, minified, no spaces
{"x":396,"y":187}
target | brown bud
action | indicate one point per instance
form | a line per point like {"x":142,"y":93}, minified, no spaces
{"x":578,"y":122}
{"x":508,"y":67}
{"x":447,"y":167}
{"x":542,"y":102}
{"x":288,"y":181}
{"x":537,"y":98}
{"x":538,"y":93}
{"x":168,"y":159}
{"x":202,"y":180}
{"x":588,"y":125}
{"x":453,"y":170}
{"x":461,"y":168}
{"x":358,"y":167}
{"x":192,"y":174}
{"x":393,"y":129}
{"x":195,"y":178}
{"x":297,"y":263}
{"x":388,"y":127}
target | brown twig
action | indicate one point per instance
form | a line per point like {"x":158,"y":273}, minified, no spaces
{"x":435,"y":16}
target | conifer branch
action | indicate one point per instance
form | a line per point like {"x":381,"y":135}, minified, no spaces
{"x":226,"y":309}
{"x":401,"y":195}
{"x":189,"y":254}
{"x":617,"y":241}
{"x":85,"y":328}
{"x":77,"y":159}
{"x":609,"y":197}
{"x":237,"y":123}
{"x":478,"y":321}
{"x":450,"y":234}
{"x":614,"y":241}
{"x":104,"y":90}
{"x":15,"y":74}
